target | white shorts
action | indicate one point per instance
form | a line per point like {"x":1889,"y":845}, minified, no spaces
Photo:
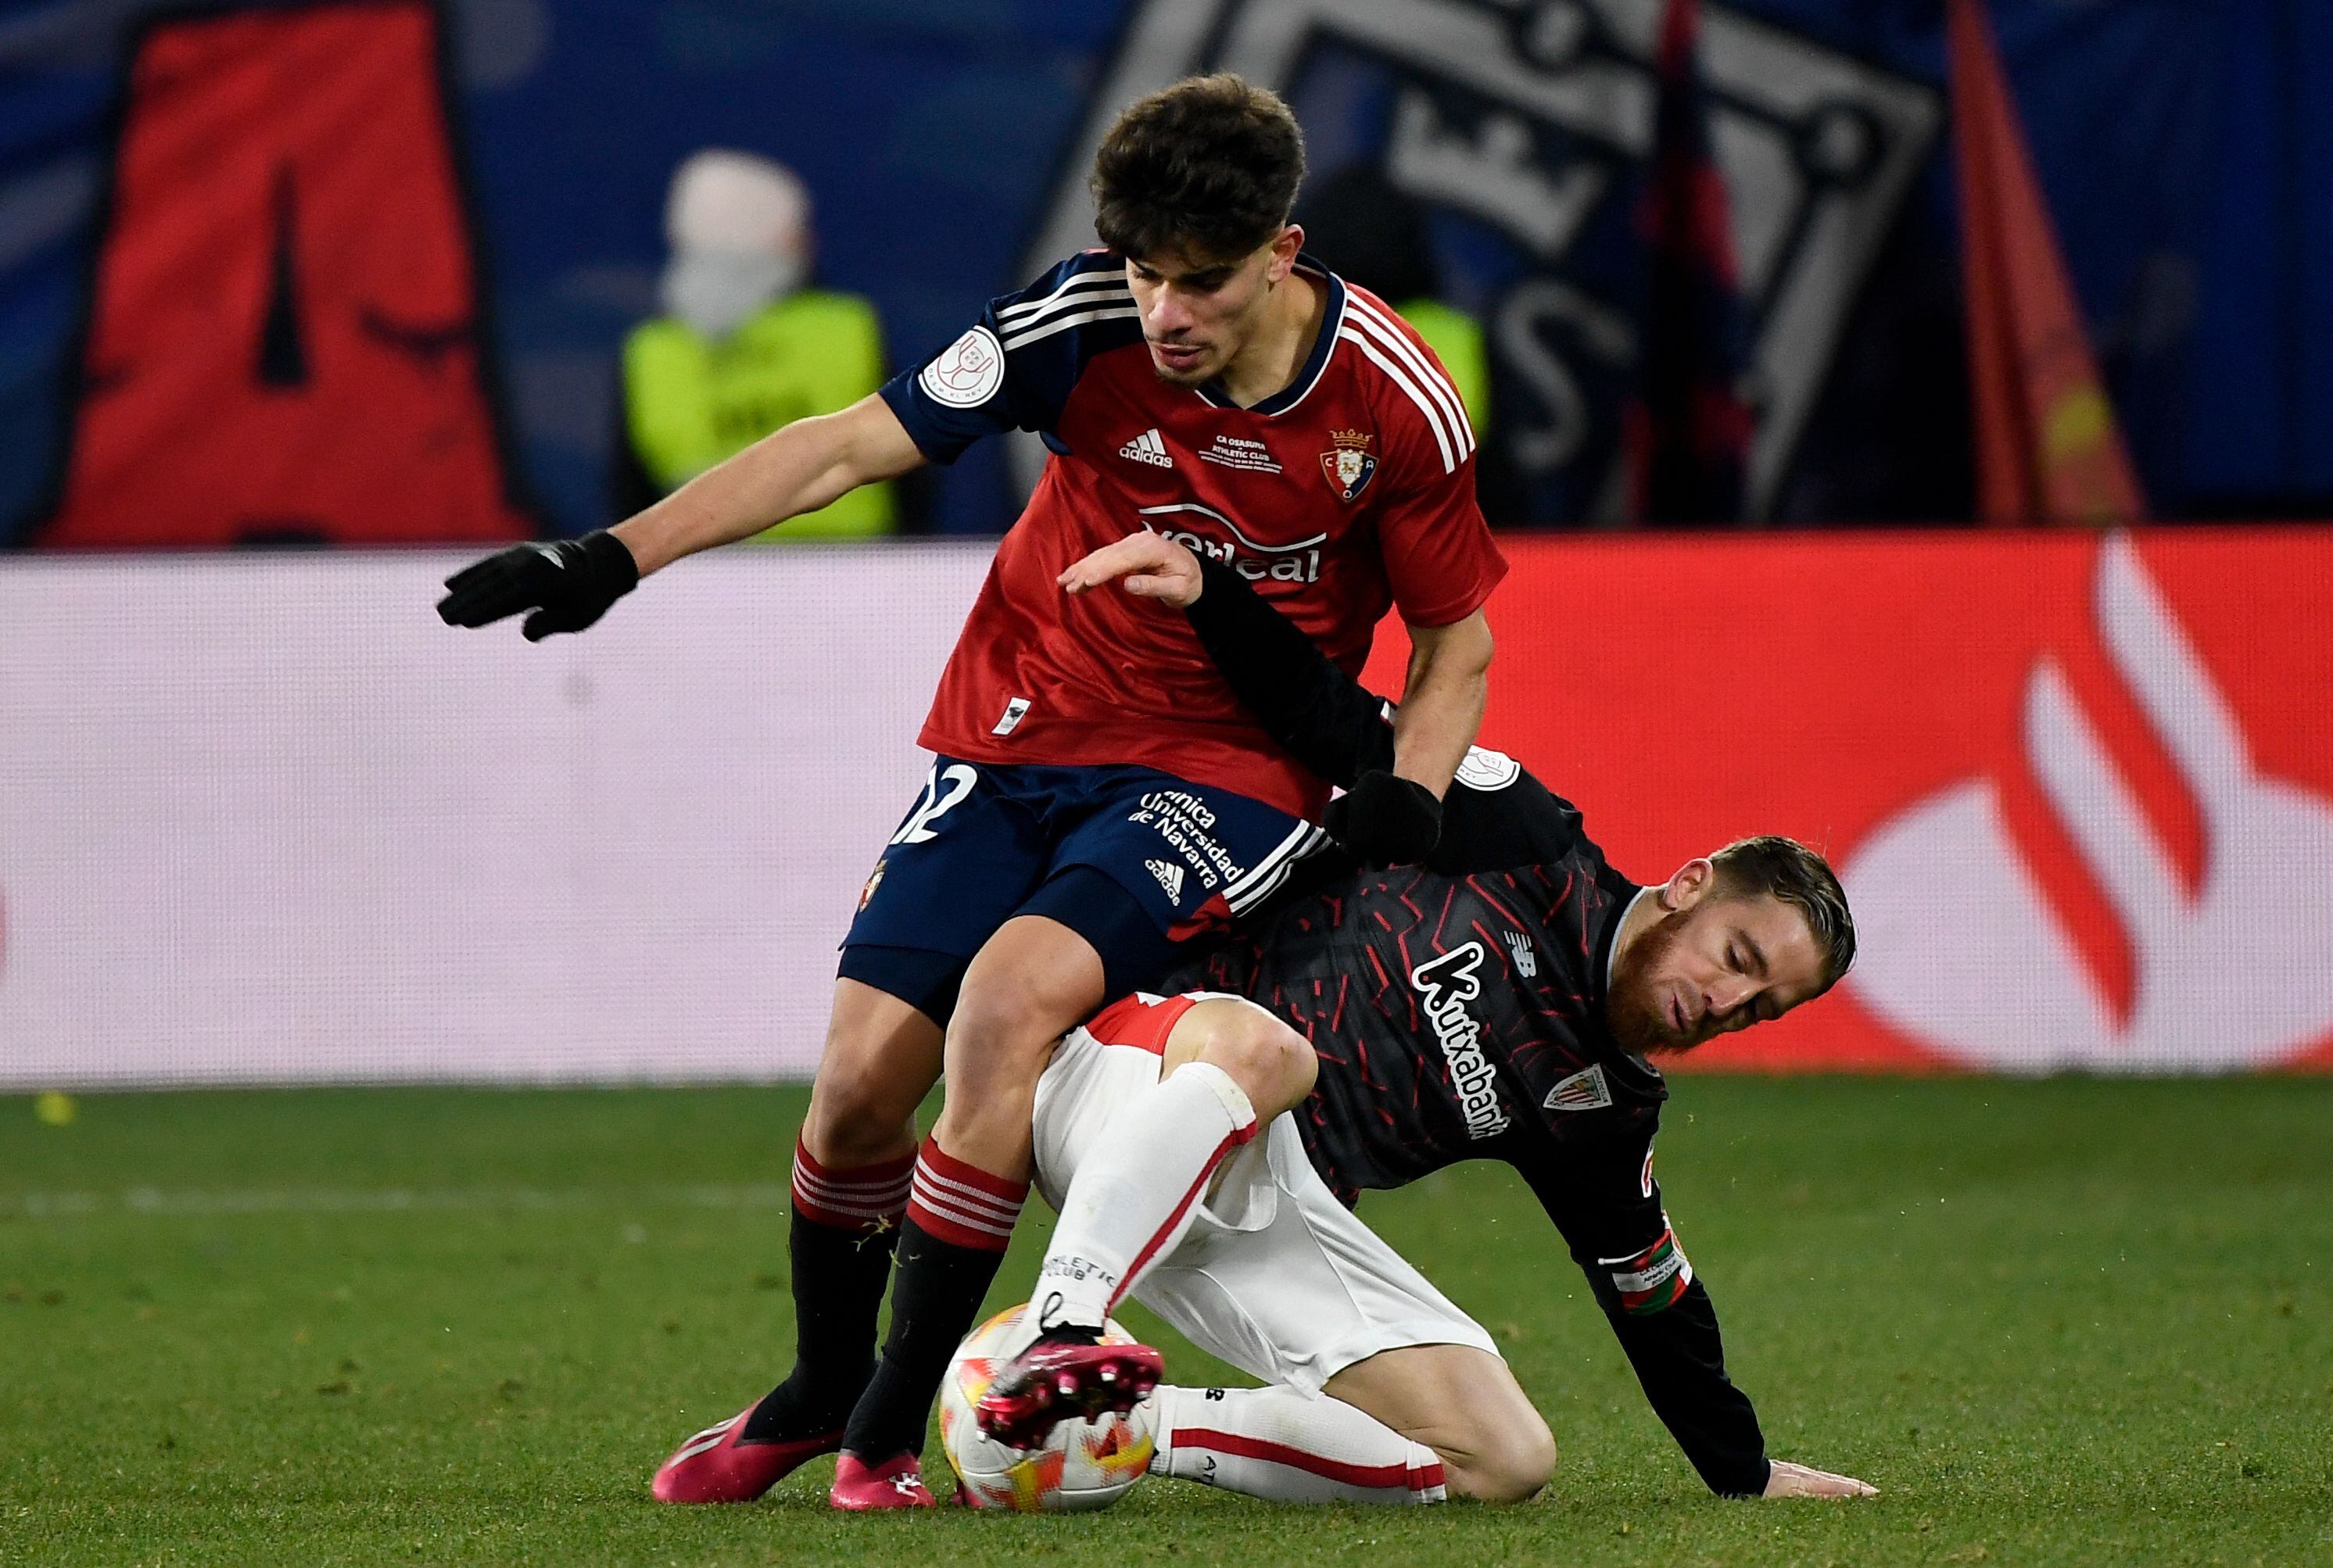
{"x":1275,"y":1275}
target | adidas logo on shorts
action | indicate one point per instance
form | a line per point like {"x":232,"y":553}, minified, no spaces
{"x":1148,"y":448}
{"x":1171,"y":877}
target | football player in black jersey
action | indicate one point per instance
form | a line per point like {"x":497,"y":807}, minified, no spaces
{"x":1498,"y":1000}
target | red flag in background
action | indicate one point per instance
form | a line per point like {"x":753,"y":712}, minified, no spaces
{"x":284,"y":343}
{"x":1687,"y":430}
{"x":2047,"y":446}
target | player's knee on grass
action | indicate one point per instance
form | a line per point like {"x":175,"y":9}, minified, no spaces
{"x":1509,"y":1463}
{"x":1465,"y":1405}
{"x":1271,"y":1063}
{"x":1493,"y":1441}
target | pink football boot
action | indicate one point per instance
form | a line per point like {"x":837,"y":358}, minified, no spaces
{"x":718,"y":1466}
{"x":897,"y":1483}
{"x":1058,"y":1379}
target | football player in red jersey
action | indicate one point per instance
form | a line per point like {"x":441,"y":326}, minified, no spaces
{"x":1097,"y":795}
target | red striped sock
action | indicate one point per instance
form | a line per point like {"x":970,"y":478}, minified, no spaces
{"x":856,"y":1198}
{"x":962,"y":1204}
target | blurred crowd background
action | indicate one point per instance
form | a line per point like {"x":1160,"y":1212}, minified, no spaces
{"x":398,"y":271}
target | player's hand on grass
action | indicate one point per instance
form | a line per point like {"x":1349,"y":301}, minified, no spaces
{"x":1146,"y":565}
{"x":1386,"y":820}
{"x":1789,"y":1480}
{"x":568,"y":583}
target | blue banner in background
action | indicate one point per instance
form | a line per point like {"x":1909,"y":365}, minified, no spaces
{"x":945,"y":140}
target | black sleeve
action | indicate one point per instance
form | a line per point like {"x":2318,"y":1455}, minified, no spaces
{"x":1324,"y":718}
{"x":1600,"y":1193}
{"x":1496,"y":814}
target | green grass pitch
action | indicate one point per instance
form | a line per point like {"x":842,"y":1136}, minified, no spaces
{"x":2063,"y":1322}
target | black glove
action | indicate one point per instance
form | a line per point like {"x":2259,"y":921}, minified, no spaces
{"x":568,"y":583}
{"x":1385,"y":819}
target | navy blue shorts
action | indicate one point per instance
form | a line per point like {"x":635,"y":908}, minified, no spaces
{"x":1132,"y":859}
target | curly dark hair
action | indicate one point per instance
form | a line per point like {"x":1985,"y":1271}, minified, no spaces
{"x":1208,"y":168}
{"x":1799,"y":877}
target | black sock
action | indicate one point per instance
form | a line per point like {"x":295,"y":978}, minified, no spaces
{"x":838,"y":1278}
{"x":936,"y":1296}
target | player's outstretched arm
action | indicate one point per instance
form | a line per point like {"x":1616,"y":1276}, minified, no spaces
{"x":796,"y":469}
{"x":1789,"y":1480}
{"x":570,"y":584}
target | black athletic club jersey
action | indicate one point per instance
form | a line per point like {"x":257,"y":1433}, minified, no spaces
{"x":1455,"y":1016}
{"x":1457,"y":1009}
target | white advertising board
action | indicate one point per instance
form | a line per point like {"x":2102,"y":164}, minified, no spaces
{"x":263,"y":819}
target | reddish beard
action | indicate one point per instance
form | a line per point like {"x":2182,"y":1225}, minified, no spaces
{"x":1638,"y":1020}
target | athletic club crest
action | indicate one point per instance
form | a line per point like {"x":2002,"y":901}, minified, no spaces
{"x":1350,"y":463}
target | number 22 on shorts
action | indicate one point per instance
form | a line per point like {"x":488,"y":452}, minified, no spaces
{"x":942,"y":791}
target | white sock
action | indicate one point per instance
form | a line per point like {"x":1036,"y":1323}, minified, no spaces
{"x":1135,"y":1196}
{"x":1290,"y":1447}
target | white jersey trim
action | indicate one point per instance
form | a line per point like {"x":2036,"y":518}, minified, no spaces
{"x":1063,"y":323}
{"x":1436,"y":384}
{"x":1400,"y":379}
{"x":1011,"y":316}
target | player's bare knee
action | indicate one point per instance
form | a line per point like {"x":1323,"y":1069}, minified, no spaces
{"x":859,"y":1112}
{"x":856,"y":1119}
{"x":1271,"y":1063}
{"x":1509,"y":1465}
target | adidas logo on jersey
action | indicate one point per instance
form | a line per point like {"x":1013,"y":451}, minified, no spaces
{"x":1171,"y":877}
{"x":1147,"y":447}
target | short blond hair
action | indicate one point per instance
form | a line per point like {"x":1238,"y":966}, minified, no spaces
{"x":1799,"y":877}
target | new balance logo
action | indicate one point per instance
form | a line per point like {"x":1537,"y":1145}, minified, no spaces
{"x":1526,"y":959}
{"x":1171,"y":877}
{"x":1148,"y":448}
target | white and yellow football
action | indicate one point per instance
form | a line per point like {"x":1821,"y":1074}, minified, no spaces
{"x":1083,"y":1466}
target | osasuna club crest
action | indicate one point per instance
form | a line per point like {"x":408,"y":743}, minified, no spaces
{"x":1350,"y":463}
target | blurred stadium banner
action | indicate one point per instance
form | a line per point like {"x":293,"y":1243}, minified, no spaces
{"x":263,"y":819}
{"x":286,"y":349}
{"x":517,"y":238}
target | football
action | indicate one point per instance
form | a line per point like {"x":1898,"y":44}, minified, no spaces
{"x":1083,"y":1466}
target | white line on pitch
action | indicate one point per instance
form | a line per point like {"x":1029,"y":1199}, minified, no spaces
{"x":383,"y":1200}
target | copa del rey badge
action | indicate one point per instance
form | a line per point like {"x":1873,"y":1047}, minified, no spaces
{"x":1350,"y":463}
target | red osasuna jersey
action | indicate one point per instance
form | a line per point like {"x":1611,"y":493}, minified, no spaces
{"x":1349,"y":491}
